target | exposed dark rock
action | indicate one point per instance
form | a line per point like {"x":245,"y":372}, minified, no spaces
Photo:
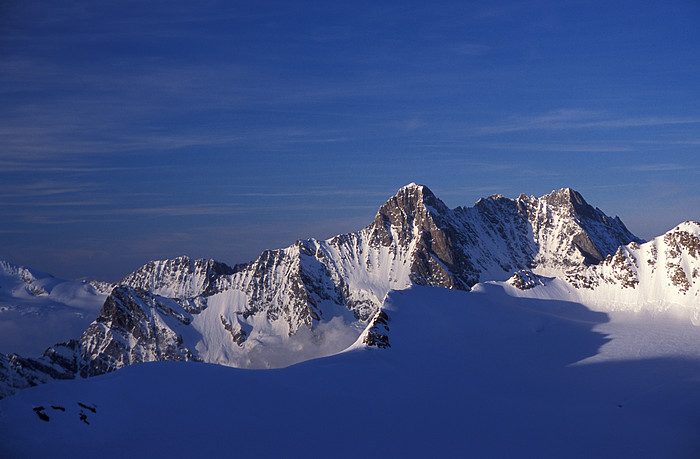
{"x":238,"y":335}
{"x":39,"y":410}
{"x":131,"y":316}
{"x":524,"y":280}
{"x":92,"y":408}
{"x":678,"y":277}
{"x":377,"y":333}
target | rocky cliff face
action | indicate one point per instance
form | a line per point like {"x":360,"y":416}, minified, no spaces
{"x":569,"y":232}
{"x":315,"y":297}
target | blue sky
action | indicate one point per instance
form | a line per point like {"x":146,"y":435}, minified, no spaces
{"x":132,"y":131}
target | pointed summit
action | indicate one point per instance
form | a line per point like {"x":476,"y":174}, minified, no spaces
{"x":413,"y":207}
{"x":568,"y":198}
{"x":414,"y":196}
{"x":569,"y":231}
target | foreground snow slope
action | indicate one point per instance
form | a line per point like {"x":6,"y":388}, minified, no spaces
{"x":480,"y":374}
{"x":38,"y":310}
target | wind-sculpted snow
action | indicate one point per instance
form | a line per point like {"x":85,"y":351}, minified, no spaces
{"x":316,"y":298}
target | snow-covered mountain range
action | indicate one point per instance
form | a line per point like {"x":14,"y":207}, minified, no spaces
{"x":318,"y":298}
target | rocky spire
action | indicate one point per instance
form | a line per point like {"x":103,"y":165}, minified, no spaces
{"x":570,"y":232}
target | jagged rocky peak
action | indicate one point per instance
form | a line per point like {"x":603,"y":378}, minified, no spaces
{"x":416,"y":221}
{"x":571,"y":200}
{"x":180,"y":277}
{"x":571,"y":233}
{"x":497,"y":207}
{"x":567,"y":197}
{"x":684,"y":237}
{"x":418,"y":197}
{"x":412,"y":207}
{"x":21,"y":273}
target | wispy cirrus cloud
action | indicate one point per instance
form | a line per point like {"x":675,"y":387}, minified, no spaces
{"x":660,"y":167}
{"x":46,"y":188}
{"x":574,"y":119}
{"x":105,"y":212}
{"x":559,"y":147}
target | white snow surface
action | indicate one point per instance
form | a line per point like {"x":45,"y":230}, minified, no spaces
{"x":489,"y":373}
{"x":38,"y":310}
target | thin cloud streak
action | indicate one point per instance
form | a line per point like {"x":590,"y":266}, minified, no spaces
{"x":663,"y":167}
{"x":316,"y":193}
{"x":113,"y":215}
{"x":47,"y":189}
{"x":560,"y":147}
{"x":578,"y":119}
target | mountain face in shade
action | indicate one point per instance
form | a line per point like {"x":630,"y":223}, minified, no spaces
{"x":317,"y":298}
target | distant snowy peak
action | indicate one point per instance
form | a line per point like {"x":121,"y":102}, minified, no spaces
{"x":661,"y":272}
{"x":22,"y":287}
{"x":21,"y":281}
{"x":180,"y":277}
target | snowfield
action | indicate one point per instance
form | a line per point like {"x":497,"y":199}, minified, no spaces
{"x":487,"y":373}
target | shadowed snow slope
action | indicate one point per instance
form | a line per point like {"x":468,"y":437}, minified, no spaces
{"x":480,"y":374}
